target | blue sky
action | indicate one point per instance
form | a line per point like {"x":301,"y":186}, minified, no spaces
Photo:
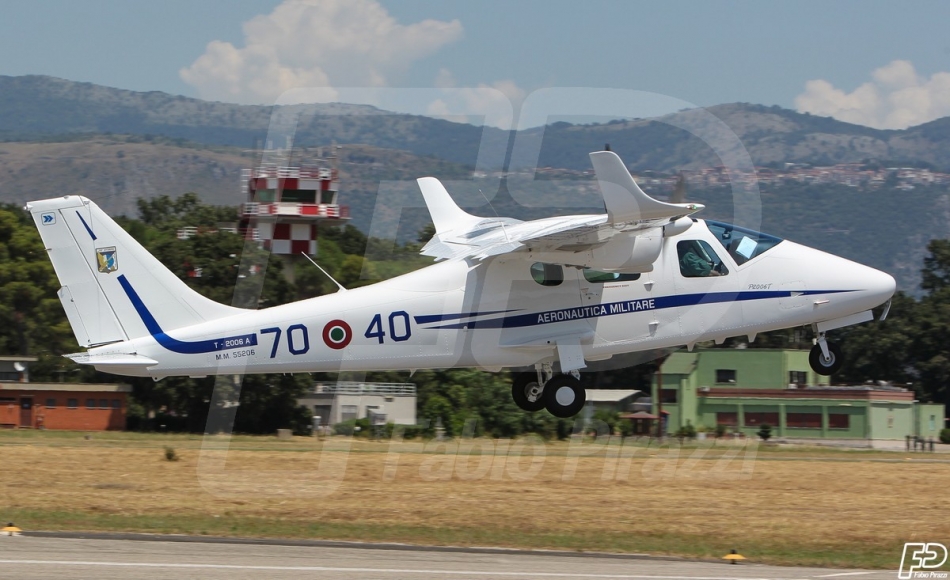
{"x":700,"y":52}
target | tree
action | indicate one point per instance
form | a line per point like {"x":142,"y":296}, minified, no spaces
{"x":935,"y":274}
{"x":881,"y":350}
{"x":32,"y":320}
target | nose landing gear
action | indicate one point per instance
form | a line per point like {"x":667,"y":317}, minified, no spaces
{"x":562,"y":394}
{"x":825,"y":357}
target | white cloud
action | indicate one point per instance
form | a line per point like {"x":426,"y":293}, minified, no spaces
{"x":492,"y":104}
{"x":896,"y":98}
{"x":315,"y":43}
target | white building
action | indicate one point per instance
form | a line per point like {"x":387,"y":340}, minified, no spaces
{"x":383,"y":402}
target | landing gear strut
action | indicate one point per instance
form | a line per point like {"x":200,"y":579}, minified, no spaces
{"x":825,"y":357}
{"x":562,"y":394}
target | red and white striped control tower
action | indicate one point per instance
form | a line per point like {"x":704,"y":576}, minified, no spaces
{"x":287,"y":204}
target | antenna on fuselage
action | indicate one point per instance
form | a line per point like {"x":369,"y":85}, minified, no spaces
{"x":327,"y":274}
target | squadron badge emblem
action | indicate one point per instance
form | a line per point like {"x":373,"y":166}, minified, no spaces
{"x":107,"y":259}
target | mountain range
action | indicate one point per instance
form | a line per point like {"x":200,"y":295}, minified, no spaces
{"x":39,"y":107}
{"x":116,"y":146}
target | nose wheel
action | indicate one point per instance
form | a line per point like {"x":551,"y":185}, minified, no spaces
{"x":825,"y":357}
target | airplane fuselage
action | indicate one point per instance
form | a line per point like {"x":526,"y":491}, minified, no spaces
{"x":500,"y":312}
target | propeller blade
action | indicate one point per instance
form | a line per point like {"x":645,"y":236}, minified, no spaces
{"x":679,"y":190}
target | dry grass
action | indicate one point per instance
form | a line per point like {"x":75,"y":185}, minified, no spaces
{"x":805,"y":507}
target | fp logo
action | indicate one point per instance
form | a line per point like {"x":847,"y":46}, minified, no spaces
{"x":48,"y":219}
{"x":920,"y":556}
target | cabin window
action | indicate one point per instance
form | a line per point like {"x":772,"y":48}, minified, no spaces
{"x":50,"y":403}
{"x":725,"y":375}
{"x":90,"y":403}
{"x":72,"y":403}
{"x":741,"y":243}
{"x":547,"y":274}
{"x":597,"y":276}
{"x":698,"y":260}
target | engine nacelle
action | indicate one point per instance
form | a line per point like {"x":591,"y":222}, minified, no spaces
{"x":677,"y":227}
{"x":627,"y":253}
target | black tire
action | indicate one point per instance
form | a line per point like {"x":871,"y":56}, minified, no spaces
{"x":564,"y":396}
{"x":520,"y":385}
{"x":825,"y":367}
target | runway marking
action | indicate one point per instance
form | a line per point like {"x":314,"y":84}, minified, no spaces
{"x":844,"y":574}
{"x":367,"y":570}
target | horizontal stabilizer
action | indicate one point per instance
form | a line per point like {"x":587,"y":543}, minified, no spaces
{"x":624,"y":199}
{"x":119,"y":359}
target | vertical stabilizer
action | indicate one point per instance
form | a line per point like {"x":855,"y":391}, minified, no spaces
{"x":623,"y":198}
{"x":446,"y":214}
{"x":106,"y":276}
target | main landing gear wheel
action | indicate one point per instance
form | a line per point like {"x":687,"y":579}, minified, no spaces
{"x":526,"y":392}
{"x":564,"y":396}
{"x":825,"y":366}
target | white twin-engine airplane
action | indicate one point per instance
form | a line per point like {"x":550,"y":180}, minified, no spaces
{"x":553,"y":293}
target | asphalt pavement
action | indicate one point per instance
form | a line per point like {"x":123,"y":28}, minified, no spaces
{"x":140,"y":557}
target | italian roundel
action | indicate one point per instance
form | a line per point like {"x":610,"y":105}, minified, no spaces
{"x":337,"y":334}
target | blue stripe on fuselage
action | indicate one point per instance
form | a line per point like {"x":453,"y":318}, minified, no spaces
{"x":628,"y":306}
{"x":430,"y":318}
{"x":180,"y":346}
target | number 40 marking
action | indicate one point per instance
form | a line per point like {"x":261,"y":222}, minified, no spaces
{"x":399,"y":327}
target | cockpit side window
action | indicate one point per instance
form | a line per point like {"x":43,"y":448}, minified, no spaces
{"x":698,"y":260}
{"x":741,"y":243}
{"x":547,"y":274}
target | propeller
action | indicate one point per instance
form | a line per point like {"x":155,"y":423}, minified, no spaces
{"x":679,"y":190}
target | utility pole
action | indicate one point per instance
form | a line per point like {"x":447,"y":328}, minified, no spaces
{"x":659,"y":399}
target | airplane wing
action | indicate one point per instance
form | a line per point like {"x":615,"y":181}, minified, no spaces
{"x":629,"y":211}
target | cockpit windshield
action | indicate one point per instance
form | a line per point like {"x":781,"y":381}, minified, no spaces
{"x":741,"y":243}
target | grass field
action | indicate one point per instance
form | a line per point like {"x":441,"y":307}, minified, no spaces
{"x":774,"y":505}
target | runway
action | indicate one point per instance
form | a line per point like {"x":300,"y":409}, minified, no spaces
{"x":43,"y":557}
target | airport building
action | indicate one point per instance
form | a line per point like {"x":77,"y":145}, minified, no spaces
{"x":381,"y":403}
{"x":615,"y":400}
{"x":73,"y":406}
{"x":743,"y":389}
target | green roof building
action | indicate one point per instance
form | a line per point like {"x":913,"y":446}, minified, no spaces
{"x":743,"y":389}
